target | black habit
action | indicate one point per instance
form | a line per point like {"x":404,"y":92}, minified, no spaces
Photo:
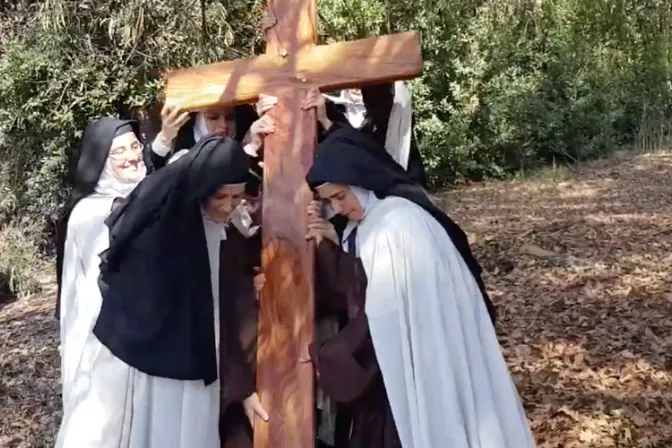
{"x":157,"y":311}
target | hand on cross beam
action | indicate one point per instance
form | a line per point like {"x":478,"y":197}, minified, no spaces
{"x":172,"y":119}
{"x":315,"y":99}
{"x":318,"y":227}
{"x":261,"y":127}
{"x":265,"y":103}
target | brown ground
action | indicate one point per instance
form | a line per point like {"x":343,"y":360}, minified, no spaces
{"x":580,"y":265}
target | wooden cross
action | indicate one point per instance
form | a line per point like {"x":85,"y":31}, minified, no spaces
{"x":292,"y":64}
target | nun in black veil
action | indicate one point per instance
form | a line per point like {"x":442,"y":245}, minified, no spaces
{"x":180,"y":131}
{"x":106,"y":168}
{"x":419,"y":350}
{"x":153,"y":377}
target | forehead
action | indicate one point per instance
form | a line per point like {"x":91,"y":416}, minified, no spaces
{"x":219,"y":110}
{"x":328,"y":190}
{"x":124,"y":139}
{"x":230,"y":189}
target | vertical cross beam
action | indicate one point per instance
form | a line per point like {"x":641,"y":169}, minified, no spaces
{"x":286,"y":319}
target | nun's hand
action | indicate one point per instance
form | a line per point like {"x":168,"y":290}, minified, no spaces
{"x":253,"y":407}
{"x":259,"y":129}
{"x":319,"y":229}
{"x":259,"y":282}
{"x":265,"y":103}
{"x":315,"y":99}
{"x":172,"y":119}
{"x":314,"y":209}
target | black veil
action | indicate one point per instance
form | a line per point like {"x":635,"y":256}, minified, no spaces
{"x":349,"y":157}
{"x":85,"y":165}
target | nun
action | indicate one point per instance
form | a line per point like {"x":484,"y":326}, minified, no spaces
{"x":154,"y":379}
{"x":181,"y":130}
{"x":107,"y":167}
{"x":409,"y":283}
{"x":384,"y":112}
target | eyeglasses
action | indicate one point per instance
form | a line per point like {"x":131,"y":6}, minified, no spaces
{"x":119,"y":152}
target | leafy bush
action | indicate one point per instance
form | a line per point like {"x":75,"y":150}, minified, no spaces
{"x":23,"y":269}
{"x":507,"y":86}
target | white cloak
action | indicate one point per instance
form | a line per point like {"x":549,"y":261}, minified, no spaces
{"x":444,"y":373}
{"x":107,"y":403}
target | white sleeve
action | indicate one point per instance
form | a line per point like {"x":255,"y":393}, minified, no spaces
{"x":72,"y":271}
{"x":159,"y":147}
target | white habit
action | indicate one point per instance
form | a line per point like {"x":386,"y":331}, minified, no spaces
{"x":108,"y":404}
{"x":444,"y":373}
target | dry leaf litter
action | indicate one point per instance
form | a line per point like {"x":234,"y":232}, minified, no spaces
{"x":580,"y":268}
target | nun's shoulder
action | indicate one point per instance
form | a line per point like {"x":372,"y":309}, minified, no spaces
{"x":90,"y":209}
{"x":394,"y":212}
{"x":396,"y":207}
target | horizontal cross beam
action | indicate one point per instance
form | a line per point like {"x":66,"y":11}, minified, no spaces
{"x":327,"y":67}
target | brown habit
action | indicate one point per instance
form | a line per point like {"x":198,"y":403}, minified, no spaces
{"x":238,"y":347}
{"x":346,"y":363}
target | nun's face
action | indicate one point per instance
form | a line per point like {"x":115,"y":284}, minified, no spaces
{"x":126,"y":157}
{"x":220,"y":205}
{"x":342,"y":200}
{"x":221,"y":121}
{"x":354,"y":95}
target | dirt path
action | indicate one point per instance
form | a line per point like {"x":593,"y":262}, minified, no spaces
{"x":580,"y":268}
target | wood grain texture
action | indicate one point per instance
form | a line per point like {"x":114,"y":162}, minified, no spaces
{"x":286,"y":315}
{"x":286,"y":318}
{"x":291,"y":66}
{"x":339,"y":65}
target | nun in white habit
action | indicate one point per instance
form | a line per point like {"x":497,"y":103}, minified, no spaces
{"x":152,"y":358}
{"x":426,"y":317}
{"x":109,"y":166}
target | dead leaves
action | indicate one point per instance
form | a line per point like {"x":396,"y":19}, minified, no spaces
{"x":581,"y":271}
{"x":29,"y":373}
{"x":531,"y":249}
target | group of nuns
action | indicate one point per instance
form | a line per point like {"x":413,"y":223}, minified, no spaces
{"x":153,"y":268}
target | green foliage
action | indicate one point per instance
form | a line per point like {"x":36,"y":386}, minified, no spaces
{"x":508,"y":85}
{"x":22,"y":268}
{"x":78,"y":60}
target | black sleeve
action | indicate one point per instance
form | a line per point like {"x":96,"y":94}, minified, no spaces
{"x":416,"y":168}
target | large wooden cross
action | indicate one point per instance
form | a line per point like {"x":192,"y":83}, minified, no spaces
{"x":292,"y":64}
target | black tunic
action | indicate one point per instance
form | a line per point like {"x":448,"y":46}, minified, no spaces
{"x":238,"y":347}
{"x":157,"y":308}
